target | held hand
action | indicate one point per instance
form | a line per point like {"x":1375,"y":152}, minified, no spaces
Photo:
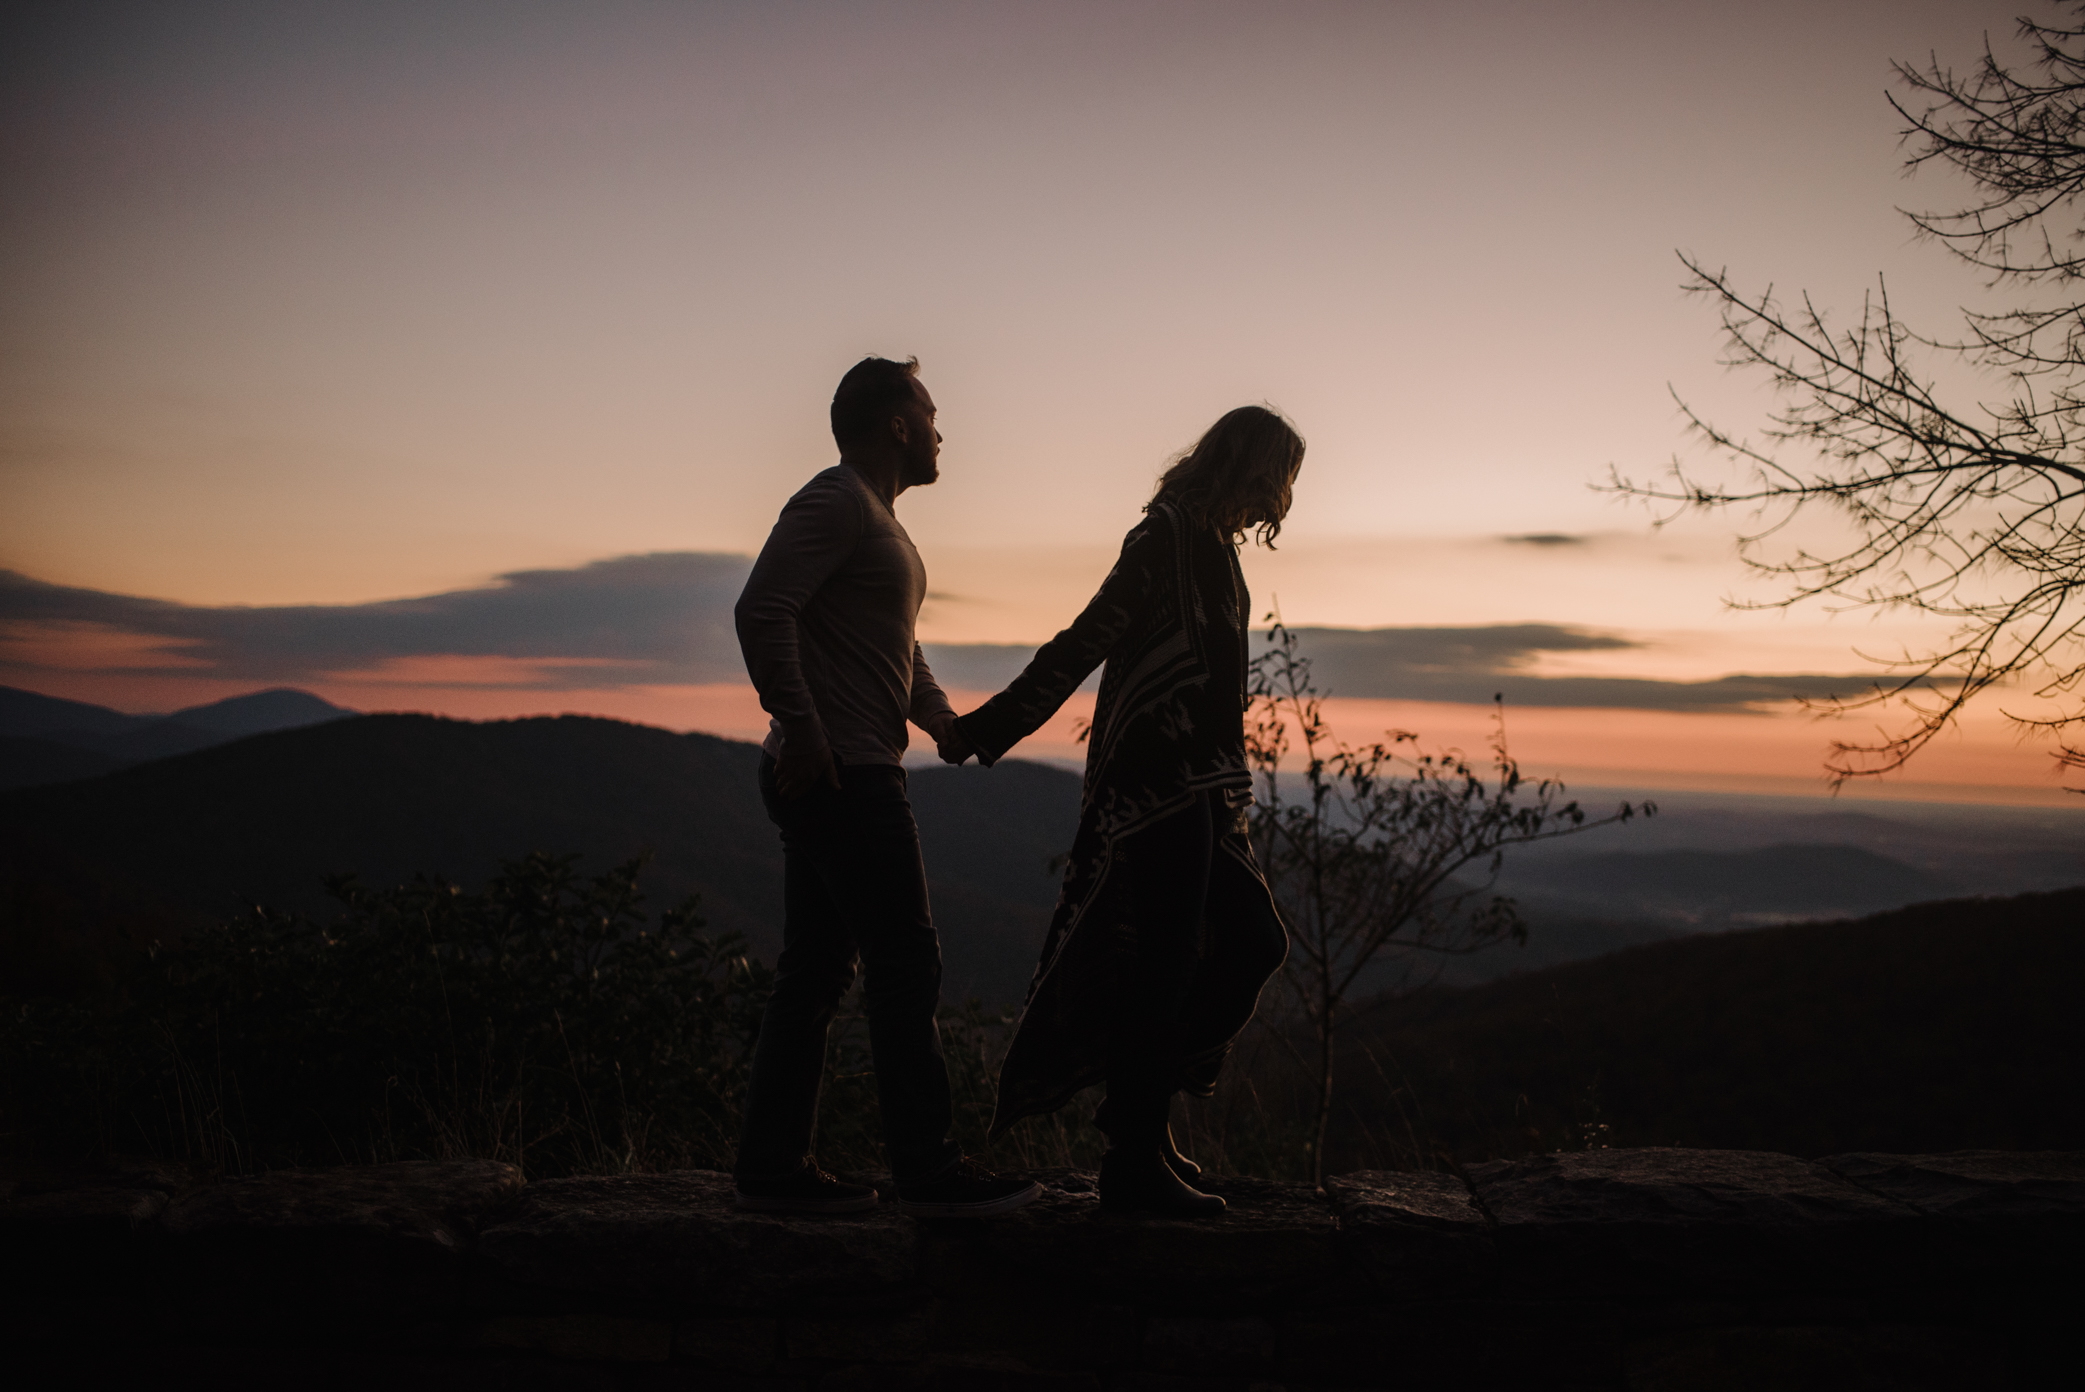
{"x":948,"y":740}
{"x":805,"y":762}
{"x":955,"y":749}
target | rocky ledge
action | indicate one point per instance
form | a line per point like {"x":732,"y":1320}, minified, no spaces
{"x":1640,"y":1269}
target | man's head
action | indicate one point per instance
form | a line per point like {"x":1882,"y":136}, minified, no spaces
{"x":882,"y":410}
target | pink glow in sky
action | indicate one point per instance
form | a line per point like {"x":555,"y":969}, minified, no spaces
{"x":326,"y":304}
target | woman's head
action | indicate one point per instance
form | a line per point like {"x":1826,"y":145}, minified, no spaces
{"x":1239,"y":475}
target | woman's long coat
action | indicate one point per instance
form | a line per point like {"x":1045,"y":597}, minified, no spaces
{"x":1169,"y":726}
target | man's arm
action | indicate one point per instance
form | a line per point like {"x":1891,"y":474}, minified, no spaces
{"x":817,"y":531}
{"x":932,"y":712}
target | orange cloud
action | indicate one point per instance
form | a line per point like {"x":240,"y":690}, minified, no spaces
{"x":1983,"y":760}
{"x":470,"y":671}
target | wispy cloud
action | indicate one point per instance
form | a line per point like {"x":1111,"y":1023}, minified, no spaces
{"x":665,"y":619}
{"x":1476,"y":663}
{"x":1465,"y":664}
{"x":632,"y":620}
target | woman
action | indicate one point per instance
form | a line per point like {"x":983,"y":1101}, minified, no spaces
{"x":1165,"y":930}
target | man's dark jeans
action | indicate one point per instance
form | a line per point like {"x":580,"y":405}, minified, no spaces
{"x":853,"y":883}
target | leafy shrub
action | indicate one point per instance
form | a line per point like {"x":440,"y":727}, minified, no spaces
{"x":542,"y":1020}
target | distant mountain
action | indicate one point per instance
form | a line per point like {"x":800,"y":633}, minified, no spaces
{"x":258,"y":712}
{"x":1971,"y":848}
{"x":33,"y":713}
{"x":1712,"y":862}
{"x":1721,"y":888}
{"x":88,"y":865}
{"x":263,"y":819}
{"x":115,"y":740}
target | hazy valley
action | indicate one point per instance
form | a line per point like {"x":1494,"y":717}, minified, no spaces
{"x":185,"y":818}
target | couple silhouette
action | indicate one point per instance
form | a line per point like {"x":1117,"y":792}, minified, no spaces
{"x":1164,"y":932}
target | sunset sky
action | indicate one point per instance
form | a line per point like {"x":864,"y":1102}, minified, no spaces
{"x":455,"y":357}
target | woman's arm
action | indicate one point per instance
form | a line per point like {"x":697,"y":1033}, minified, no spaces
{"x":1132,"y":587}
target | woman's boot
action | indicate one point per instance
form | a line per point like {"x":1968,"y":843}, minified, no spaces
{"x":1134,"y":1175}
{"x":1179,"y":1164}
{"x":1141,"y":1182}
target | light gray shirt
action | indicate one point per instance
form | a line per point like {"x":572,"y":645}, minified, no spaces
{"x":827,"y":619}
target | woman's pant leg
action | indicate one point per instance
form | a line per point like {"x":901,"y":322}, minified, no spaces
{"x":1243,"y":945}
{"x":1167,"y":872}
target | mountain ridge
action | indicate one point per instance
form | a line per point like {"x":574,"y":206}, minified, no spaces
{"x":35,"y":729}
{"x":263,"y":819}
{"x":96,"y":866}
{"x":1935,"y":1027}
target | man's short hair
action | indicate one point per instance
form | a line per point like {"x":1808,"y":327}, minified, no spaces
{"x":869,"y":395}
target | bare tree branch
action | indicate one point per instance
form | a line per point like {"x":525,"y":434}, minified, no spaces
{"x":1970,"y":512}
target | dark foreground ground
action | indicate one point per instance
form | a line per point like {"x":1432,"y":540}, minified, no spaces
{"x":1636,"y":1269}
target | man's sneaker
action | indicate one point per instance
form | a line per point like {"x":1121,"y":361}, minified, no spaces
{"x":965,"y":1190}
{"x":809,"y":1190}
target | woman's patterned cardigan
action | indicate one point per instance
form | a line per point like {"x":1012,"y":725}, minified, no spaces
{"x":1169,"y":725}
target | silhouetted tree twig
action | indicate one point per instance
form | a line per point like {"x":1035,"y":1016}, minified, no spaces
{"x":1970,"y":511}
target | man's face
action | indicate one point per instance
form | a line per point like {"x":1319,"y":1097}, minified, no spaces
{"x":921,"y":445}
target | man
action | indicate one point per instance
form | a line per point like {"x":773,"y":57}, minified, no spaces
{"x":826,"y":625}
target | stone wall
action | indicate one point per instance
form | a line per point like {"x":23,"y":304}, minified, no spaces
{"x":1638,"y":1269}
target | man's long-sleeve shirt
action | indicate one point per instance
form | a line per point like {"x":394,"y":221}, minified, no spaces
{"x":827,"y":619}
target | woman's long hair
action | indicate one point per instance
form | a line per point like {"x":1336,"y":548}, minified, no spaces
{"x":1239,"y":476}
